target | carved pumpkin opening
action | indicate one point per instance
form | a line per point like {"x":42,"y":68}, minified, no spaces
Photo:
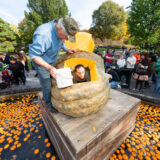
{"x":86,"y":63}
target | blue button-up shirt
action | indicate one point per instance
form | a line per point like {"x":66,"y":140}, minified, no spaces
{"x":46,"y":43}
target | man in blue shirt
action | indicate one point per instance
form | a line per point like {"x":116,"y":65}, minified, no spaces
{"x":47,"y":43}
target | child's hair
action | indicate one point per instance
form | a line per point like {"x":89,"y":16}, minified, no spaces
{"x":78,"y":66}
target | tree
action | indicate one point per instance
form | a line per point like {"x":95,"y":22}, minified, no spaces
{"x":15,"y":29}
{"x":144,"y":21}
{"x":8,"y":38}
{"x":108,"y":20}
{"x":25,"y":31}
{"x":42,"y":11}
{"x":125,"y":37}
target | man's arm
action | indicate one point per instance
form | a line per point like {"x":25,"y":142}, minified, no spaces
{"x":41,"y":62}
{"x":36,"y":50}
{"x":67,"y":50}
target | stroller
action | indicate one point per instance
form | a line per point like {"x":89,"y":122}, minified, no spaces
{"x":6,"y":78}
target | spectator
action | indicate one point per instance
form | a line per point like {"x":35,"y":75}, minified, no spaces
{"x":6,"y":58}
{"x":108,"y":59}
{"x":25,"y":59}
{"x":116,"y":55}
{"x":114,"y":64}
{"x":154,"y":60}
{"x":103,"y":54}
{"x":6,"y":78}
{"x":137,"y":55}
{"x":127,"y":72}
{"x":115,"y":80}
{"x":141,"y":72}
{"x":1,"y":63}
{"x":131,"y":61}
{"x":157,"y":74}
{"x":81,"y":74}
{"x":149,"y":70}
{"x":127,"y":54}
{"x":112,"y":53}
{"x":121,"y":62}
{"x":17,"y":69}
{"x":21,"y":59}
{"x":124,"y":49}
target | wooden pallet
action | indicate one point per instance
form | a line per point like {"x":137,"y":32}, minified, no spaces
{"x":96,"y":136}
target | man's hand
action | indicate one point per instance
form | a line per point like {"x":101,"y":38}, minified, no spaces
{"x":52,"y":72}
{"x":47,"y":66}
{"x":71,"y":51}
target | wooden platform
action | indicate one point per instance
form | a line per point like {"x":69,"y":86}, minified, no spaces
{"x":94,"y":137}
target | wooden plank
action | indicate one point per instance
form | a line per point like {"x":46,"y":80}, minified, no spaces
{"x":82,"y":134}
{"x":87,"y":136}
{"x":115,"y":135}
{"x":54,"y":134}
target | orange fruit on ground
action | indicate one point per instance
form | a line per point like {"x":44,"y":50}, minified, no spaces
{"x":39,"y":136}
{"x":53,"y":157}
{"x":25,"y":139}
{"x":48,"y":144}
{"x":13,"y":148}
{"x":36,"y":131}
{"x":36,"y":151}
{"x":46,"y":140}
{"x":48,"y":155}
{"x":125,"y":156}
{"x":122,"y":151}
{"x":19,"y":145}
{"x":6,"y":146}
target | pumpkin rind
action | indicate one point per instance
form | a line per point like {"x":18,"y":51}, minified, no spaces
{"x":81,"y":99}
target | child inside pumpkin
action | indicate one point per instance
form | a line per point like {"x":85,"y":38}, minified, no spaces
{"x":81,"y":74}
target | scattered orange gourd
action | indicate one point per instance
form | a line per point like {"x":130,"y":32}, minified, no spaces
{"x":48,"y":155}
{"x":18,"y":119}
{"x":36,"y":151}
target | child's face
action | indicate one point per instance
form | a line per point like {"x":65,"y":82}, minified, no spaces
{"x":80,"y":72}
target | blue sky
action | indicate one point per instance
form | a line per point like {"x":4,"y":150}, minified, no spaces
{"x":12,"y":11}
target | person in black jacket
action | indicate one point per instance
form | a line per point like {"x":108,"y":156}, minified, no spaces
{"x":7,"y":58}
{"x":115,"y":81}
{"x":17,"y":70}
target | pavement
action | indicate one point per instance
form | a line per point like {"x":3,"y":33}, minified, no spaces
{"x":146,"y":94}
{"x":33,"y":85}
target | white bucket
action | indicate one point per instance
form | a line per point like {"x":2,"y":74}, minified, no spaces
{"x":64,"y":77}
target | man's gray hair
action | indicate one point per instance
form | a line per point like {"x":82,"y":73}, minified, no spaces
{"x":60,"y":25}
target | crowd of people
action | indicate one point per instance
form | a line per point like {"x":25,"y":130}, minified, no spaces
{"x":142,"y":66}
{"x":13,"y":69}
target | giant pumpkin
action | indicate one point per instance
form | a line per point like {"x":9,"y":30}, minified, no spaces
{"x":85,"y":98}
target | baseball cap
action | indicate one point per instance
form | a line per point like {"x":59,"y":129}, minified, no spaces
{"x":70,"y":26}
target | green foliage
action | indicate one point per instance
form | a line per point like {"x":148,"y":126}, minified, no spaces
{"x":25,"y":31}
{"x":144,"y":21}
{"x":8,"y":38}
{"x":108,"y":20}
{"x":40,"y":11}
